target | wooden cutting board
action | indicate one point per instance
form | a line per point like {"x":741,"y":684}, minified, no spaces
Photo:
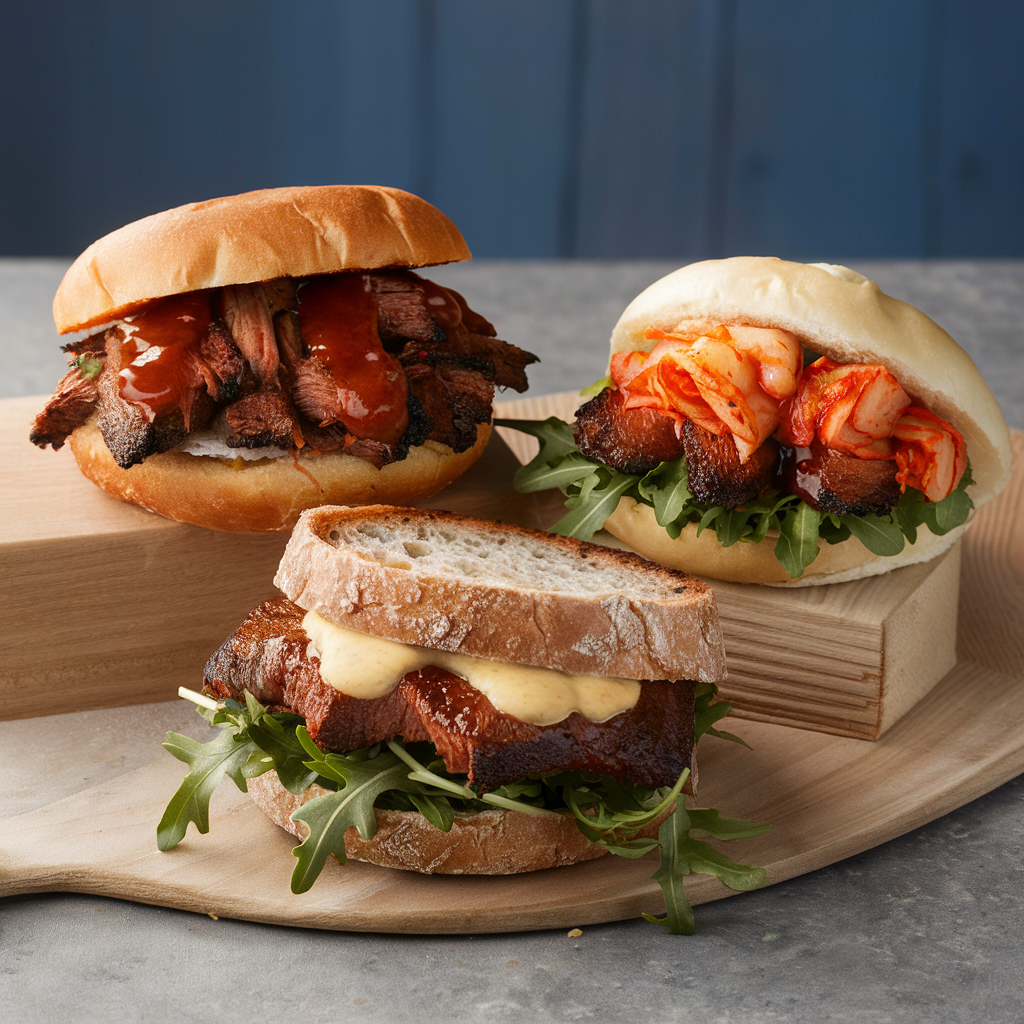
{"x":828,"y":797}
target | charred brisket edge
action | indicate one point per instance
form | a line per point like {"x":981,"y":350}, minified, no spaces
{"x":238,"y":388}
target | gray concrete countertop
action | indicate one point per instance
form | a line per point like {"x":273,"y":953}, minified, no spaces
{"x":926,"y":928}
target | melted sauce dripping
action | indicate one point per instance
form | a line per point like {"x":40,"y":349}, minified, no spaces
{"x":800,"y":472}
{"x":157,"y":366}
{"x":338,"y":320}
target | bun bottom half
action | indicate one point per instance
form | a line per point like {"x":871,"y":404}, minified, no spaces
{"x":635,"y":525}
{"x":492,"y":842}
{"x":267,"y":496}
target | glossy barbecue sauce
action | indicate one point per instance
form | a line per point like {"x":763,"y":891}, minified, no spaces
{"x":799,"y":472}
{"x":338,"y":320}
{"x":157,"y":363}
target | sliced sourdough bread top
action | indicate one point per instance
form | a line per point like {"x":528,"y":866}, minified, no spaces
{"x":492,"y":590}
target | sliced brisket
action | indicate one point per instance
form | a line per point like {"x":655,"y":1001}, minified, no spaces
{"x":268,"y":655}
{"x":264,"y":419}
{"x":456,"y":397}
{"x":128,"y":432}
{"x":72,"y":404}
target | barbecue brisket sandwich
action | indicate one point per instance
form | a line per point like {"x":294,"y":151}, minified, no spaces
{"x":248,"y":357}
{"x":775,"y":422}
{"x":450,"y":695}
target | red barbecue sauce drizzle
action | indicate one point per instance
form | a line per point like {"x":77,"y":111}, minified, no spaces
{"x":799,"y":472}
{"x":338,"y":321}
{"x":157,"y":365}
{"x":443,"y":309}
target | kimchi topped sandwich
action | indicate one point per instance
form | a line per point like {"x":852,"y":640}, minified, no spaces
{"x":450,"y":695}
{"x":773,"y":422}
{"x":245,"y":358}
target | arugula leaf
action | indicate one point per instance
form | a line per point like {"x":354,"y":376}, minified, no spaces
{"x":667,"y":489}
{"x":436,"y":809}
{"x":881,"y":536}
{"x":609,"y":812}
{"x":592,"y":492}
{"x":232,"y":753}
{"x":329,"y":817}
{"x":682,"y":855}
{"x":556,"y":441}
{"x":593,"y":506}
{"x":797,"y":545}
{"x":275,"y":735}
{"x":708,"y":710}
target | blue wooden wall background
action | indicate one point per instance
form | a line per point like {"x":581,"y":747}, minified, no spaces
{"x":594,"y":128}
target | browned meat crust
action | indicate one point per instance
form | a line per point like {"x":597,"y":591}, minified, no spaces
{"x":831,"y":481}
{"x":455,"y":397}
{"x":267,"y":655}
{"x":72,"y":404}
{"x":715,"y":473}
{"x":404,"y":314}
{"x":254,"y":366}
{"x":508,"y":363}
{"x":629,"y":440}
{"x":77,"y":393}
{"x":127,"y":430}
{"x":265,"y":418}
{"x":226,"y":373}
{"x":316,"y":392}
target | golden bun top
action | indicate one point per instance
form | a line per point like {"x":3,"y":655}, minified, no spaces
{"x":256,"y":236}
{"x":841,"y":314}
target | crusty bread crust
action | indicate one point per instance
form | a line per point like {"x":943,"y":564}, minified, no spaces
{"x":635,"y":524}
{"x":266,"y":496}
{"x":493,"y":842}
{"x":836,"y":312}
{"x":256,"y":236}
{"x":455,"y":583}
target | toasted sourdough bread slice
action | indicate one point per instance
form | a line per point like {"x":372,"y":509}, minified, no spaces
{"x":491,"y":842}
{"x":492,"y":590}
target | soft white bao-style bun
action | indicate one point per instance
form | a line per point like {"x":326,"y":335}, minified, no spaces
{"x":841,"y":314}
{"x":258,"y":236}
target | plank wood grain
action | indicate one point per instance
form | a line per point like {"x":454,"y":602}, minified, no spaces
{"x":106,"y":604}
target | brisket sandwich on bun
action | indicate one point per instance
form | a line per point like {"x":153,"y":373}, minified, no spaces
{"x":774,"y":422}
{"x":450,"y":695}
{"x":245,"y":358}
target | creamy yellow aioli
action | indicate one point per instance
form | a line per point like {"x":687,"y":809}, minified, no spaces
{"x":366,"y":667}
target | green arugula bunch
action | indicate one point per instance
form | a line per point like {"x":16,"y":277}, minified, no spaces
{"x":411,"y":776}
{"x":593,"y":491}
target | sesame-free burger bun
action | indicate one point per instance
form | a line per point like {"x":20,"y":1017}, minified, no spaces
{"x":267,"y":495}
{"x":257,"y":236}
{"x":636,"y":525}
{"x":838,"y":313}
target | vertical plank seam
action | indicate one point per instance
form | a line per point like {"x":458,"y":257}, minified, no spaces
{"x":569,"y":209}
{"x":931,"y":128}
{"x":719,"y":169}
{"x":425,"y":98}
